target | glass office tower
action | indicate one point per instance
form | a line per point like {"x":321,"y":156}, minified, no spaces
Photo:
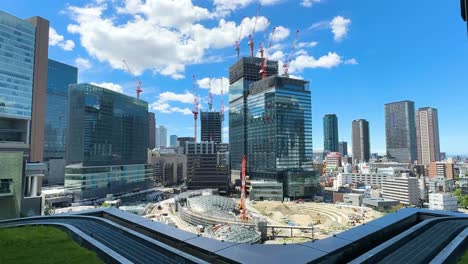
{"x":241,"y":74}
{"x":279,"y":134}
{"x":59,"y":77}
{"x":400,"y":131}
{"x":330,"y":133}
{"x":107,"y":142}
{"x":210,"y":126}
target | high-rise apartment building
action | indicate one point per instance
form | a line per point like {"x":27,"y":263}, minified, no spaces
{"x":173,"y":141}
{"x":279,"y":134}
{"x":361,"y":140}
{"x":330,"y":133}
{"x":400,"y":131}
{"x":151,"y":130}
{"x":161,"y":136}
{"x":427,"y":131}
{"x":241,"y":74}
{"x":107,"y":142}
{"x":343,"y":148}
{"x":210,"y":126}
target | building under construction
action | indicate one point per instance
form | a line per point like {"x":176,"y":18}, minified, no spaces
{"x":241,"y":74}
{"x":211,"y":126}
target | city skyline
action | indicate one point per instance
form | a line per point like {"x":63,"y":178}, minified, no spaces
{"x":397,"y":71}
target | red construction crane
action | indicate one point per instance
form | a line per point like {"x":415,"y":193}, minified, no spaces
{"x":241,"y":26}
{"x":221,"y":113}
{"x":288,"y":60}
{"x":210,"y":103}
{"x":242,"y":205}
{"x":195,"y":107}
{"x":263,"y":66}
{"x":138,"y":83}
{"x":251,"y":36}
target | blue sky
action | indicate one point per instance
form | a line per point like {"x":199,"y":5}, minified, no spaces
{"x":357,"y":55}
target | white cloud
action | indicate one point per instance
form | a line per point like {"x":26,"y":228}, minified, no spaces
{"x":320,"y":25}
{"x":162,"y":103}
{"x":309,"y":3}
{"x":280,"y":33}
{"x":153,"y":38}
{"x":225,"y":7}
{"x":56,"y":39}
{"x":82,"y":64}
{"x":302,"y":62}
{"x":215,"y":84}
{"x":306,"y":44}
{"x":339,"y":26}
{"x":351,"y":61}
{"x":111,"y":86}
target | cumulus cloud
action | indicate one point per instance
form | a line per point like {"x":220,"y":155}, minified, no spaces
{"x":216,"y":84}
{"x":280,"y":33}
{"x":339,"y":26}
{"x":225,"y":7}
{"x":56,"y":39}
{"x":307,"y":44}
{"x":111,"y":86}
{"x":148,"y":36}
{"x":327,"y":61}
{"x":162,"y":103}
{"x":82,"y":64}
{"x":309,"y":3}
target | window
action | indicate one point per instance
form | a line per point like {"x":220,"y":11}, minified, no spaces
{"x":5,"y":186}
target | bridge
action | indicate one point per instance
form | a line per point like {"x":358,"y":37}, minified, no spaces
{"x":408,"y":235}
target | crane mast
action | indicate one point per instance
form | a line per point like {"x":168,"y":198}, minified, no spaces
{"x":263,"y":66}
{"x":195,"y":107}
{"x":251,"y":36}
{"x":237,"y":48}
{"x":288,"y":60}
{"x":138,"y":83}
{"x":210,"y":103}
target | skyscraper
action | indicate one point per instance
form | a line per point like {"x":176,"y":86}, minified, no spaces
{"x":23,"y":64}
{"x":361,"y":142}
{"x":343,"y":148}
{"x":151,"y":130}
{"x":427,"y":131}
{"x":210,"y":126}
{"x":241,"y":74}
{"x":59,"y":77}
{"x":330,"y":133}
{"x":162,"y":136}
{"x":173,"y":141}
{"x":400,"y":131}
{"x":279,"y":142}
{"x":107,"y":142}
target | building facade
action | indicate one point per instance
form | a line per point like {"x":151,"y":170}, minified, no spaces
{"x":107,"y":142}
{"x":343,"y":148}
{"x":241,"y":74}
{"x":361,"y":140}
{"x":279,"y":136}
{"x":210,"y":126}
{"x":173,"y":141}
{"x":330,"y":133}
{"x":402,"y":189}
{"x":441,"y":169}
{"x":151,"y":130}
{"x":207,"y":166}
{"x":161,"y":136}
{"x":443,"y":201}
{"x":400,"y":131}
{"x":427,"y":132}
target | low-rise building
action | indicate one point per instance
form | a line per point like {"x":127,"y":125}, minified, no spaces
{"x":266,"y":190}
{"x":353,"y":198}
{"x":443,"y":201}
{"x":379,"y":204}
{"x":441,"y":169}
{"x":342,"y":179}
{"x":403,"y":189}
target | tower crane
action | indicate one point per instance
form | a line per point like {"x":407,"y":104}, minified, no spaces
{"x":195,"y":107}
{"x":263,"y":66}
{"x":251,"y":36}
{"x":138,"y":83}
{"x":221,"y":112}
{"x":237,"y":48}
{"x":288,"y":60}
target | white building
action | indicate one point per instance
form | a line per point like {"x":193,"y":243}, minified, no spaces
{"x":403,"y":189}
{"x":443,"y":201}
{"x":342,"y":179}
{"x":370,"y":179}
